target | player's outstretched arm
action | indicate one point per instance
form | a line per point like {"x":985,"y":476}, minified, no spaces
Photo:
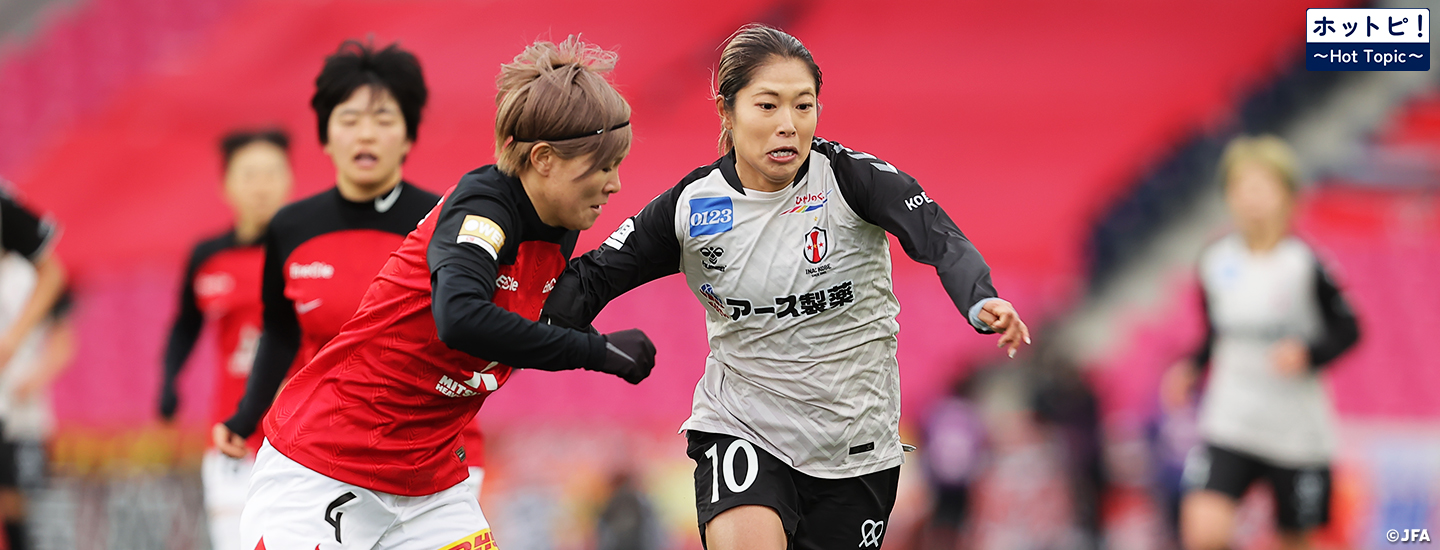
{"x":642,"y":249}
{"x":889,"y":198}
{"x":466,"y":320}
{"x":464,"y":264}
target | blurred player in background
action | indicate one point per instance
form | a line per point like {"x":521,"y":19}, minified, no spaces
{"x":795,"y":424}
{"x":627,"y":519}
{"x":222,"y":284}
{"x":1274,"y":319}
{"x":322,"y":251}
{"x":25,"y":406}
{"x":32,"y":283}
{"x":956,"y":449}
{"x":365,"y":445}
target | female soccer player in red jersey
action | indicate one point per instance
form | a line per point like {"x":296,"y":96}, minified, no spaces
{"x":222,"y":284}
{"x":364,"y":446}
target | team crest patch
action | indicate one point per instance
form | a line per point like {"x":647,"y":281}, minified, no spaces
{"x":816,"y":247}
{"x":482,"y":232}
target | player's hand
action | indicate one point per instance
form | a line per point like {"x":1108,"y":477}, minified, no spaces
{"x":229,"y":442}
{"x":1002,"y":318}
{"x":169,"y":401}
{"x":1177,"y":385}
{"x":629,"y":354}
{"x":1291,"y":357}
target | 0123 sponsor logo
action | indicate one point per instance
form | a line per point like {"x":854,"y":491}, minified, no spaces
{"x":711,"y":216}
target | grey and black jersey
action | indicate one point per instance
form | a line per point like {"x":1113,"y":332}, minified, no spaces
{"x":797,"y":290}
{"x":1252,"y":302}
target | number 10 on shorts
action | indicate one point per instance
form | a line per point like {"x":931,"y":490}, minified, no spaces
{"x":752,"y":468}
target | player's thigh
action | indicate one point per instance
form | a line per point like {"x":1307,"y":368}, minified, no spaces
{"x":748,"y":527}
{"x":450,"y":520}
{"x":1302,"y":498}
{"x":1215,"y":480}
{"x":846,"y":513}
{"x":1207,"y":520}
{"x":732,"y":473}
{"x":291,"y":506}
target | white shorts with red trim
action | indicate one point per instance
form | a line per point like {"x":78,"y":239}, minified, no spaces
{"x":291,"y":507}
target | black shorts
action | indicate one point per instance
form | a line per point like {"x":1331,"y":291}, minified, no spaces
{"x":816,"y":513}
{"x":1302,"y":495}
{"x":9,"y":464}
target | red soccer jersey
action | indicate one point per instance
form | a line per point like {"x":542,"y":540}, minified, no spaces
{"x":384,"y":404}
{"x":227,"y":290}
{"x":222,"y":286}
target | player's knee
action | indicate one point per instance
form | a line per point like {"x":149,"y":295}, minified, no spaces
{"x":1294,"y":540}
{"x":746,"y":528}
{"x":1205,"y":521}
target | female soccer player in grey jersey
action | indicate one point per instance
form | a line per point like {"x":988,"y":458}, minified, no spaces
{"x":795,"y":424}
{"x":1274,"y":319}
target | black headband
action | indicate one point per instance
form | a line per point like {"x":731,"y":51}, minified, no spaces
{"x":586,"y":134}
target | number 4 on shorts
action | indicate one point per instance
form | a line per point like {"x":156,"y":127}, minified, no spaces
{"x":752,"y":468}
{"x":335,"y":520}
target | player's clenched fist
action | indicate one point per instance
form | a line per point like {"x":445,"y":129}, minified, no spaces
{"x":228,"y":442}
{"x":629,"y":354}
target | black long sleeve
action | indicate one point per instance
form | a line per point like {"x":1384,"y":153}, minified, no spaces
{"x":279,"y":343}
{"x":1201,"y":356}
{"x":466,"y":320}
{"x":184,"y":332}
{"x":477,"y":230}
{"x":1341,"y":329}
{"x":891,"y":199}
{"x":641,"y":250}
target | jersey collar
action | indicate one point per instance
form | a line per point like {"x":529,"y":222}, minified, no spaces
{"x":380,"y":204}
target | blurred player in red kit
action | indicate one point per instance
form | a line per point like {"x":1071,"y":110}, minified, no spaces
{"x":321,"y":252}
{"x":222,"y":285}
